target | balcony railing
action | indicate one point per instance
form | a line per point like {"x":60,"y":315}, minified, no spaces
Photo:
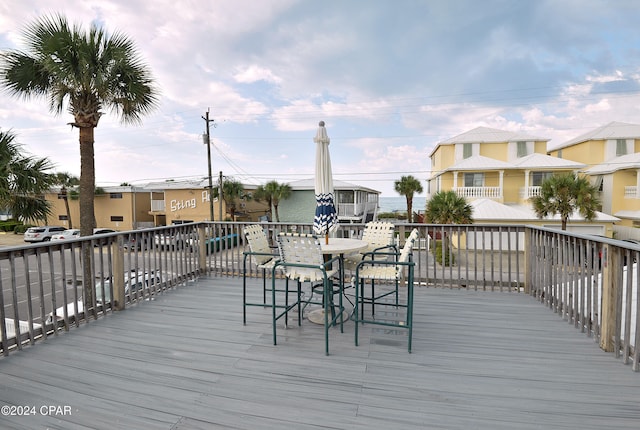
{"x":158,"y":205}
{"x":631,"y":192}
{"x":528,"y":192}
{"x":479,"y":192}
{"x":356,"y":209}
{"x":588,"y":280}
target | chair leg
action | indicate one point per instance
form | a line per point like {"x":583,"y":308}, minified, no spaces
{"x":356,"y":304}
{"x":264,"y":286}
{"x":273,"y":307}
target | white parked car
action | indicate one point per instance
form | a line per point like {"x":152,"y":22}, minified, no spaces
{"x":136,"y":281}
{"x":71,"y":233}
{"x":42,"y":234}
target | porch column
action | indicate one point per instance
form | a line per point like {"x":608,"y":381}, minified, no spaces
{"x":501,"y":184}
{"x":455,"y":180}
{"x":526,"y":184}
{"x":638,"y":184}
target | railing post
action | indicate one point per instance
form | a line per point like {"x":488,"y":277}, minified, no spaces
{"x":610,"y":285}
{"x":202,"y":248}
{"x":528,"y":275}
{"x":117,"y":251}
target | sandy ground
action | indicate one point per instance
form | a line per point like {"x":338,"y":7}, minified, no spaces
{"x":11,"y":239}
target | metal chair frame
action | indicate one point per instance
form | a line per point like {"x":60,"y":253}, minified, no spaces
{"x":265,"y":257}
{"x":301,"y":260}
{"x":386,"y":270}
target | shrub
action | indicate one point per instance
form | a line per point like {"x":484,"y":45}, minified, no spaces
{"x":448,"y":259}
{"x":9,"y":225}
{"x":20,"y":229}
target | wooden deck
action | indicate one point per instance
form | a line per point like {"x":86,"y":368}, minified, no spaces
{"x":186,"y":361}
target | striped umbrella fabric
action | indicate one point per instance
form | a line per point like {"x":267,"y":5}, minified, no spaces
{"x":326,"y":218}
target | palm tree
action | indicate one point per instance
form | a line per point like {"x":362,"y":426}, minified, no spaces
{"x":232,"y":190}
{"x":86,"y":71}
{"x":407,"y":186}
{"x":23,"y":181}
{"x":564,"y":194}
{"x":447,"y":207}
{"x":274,"y":192}
{"x":67,"y":183}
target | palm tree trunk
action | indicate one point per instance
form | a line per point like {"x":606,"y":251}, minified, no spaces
{"x":87,"y":218}
{"x":63,"y":191}
{"x":409,"y":210}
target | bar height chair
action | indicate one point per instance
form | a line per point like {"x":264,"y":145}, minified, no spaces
{"x":302,"y":261}
{"x":392,"y":272}
{"x":378,"y":235}
{"x":264,"y":256}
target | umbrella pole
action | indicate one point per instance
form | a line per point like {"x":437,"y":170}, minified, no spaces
{"x":326,"y":238}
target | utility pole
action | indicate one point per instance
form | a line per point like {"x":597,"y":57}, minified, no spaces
{"x":220,"y":195}
{"x":207,"y":141}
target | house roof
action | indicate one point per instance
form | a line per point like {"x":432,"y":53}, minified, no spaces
{"x":488,"y":135}
{"x":628,"y":214}
{"x":613,"y":130}
{"x":600,"y":216}
{"x":543,"y":161}
{"x":309,"y":184}
{"x":531,"y":161}
{"x":487,"y":209}
{"x":490,"y":210}
{"x":628,"y":161}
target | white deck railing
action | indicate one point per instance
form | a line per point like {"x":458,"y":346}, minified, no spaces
{"x":479,"y":192}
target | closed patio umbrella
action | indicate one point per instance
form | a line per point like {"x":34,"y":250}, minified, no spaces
{"x":326,"y":219}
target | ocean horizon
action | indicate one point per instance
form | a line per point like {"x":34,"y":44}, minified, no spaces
{"x":394,"y":204}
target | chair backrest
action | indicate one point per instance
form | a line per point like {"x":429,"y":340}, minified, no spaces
{"x":258,"y":242}
{"x":378,"y":234}
{"x":405,"y":253}
{"x":407,"y":249}
{"x":296,"y":248}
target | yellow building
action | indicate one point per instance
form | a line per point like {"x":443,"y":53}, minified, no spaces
{"x":152,"y":205}
{"x":612,"y":156}
{"x":506,"y":168}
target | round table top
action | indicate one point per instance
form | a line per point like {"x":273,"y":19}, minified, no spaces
{"x":339,"y":245}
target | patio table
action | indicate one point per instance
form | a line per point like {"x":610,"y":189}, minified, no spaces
{"x":339,"y":246}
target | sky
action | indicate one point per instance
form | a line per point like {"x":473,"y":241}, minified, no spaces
{"x":390,"y":79}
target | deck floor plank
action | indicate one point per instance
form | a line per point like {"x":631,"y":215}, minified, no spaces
{"x":184,"y":360}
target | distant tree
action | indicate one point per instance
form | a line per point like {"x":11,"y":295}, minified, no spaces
{"x":273,"y":192}
{"x":407,"y":186}
{"x":232,"y":191}
{"x":564,"y":194}
{"x":23,"y":181}
{"x":67,"y":182}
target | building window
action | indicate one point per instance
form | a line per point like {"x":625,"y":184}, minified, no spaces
{"x":117,"y":218}
{"x":537,"y":178}
{"x":599,"y":183}
{"x":474,"y":179}
{"x":522,"y":149}
{"x":63,"y":217}
{"x":621,"y":147}
{"x":467,"y":150}
{"x":115,"y":195}
{"x":559,"y":153}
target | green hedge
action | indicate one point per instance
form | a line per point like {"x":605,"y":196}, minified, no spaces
{"x":9,"y":225}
